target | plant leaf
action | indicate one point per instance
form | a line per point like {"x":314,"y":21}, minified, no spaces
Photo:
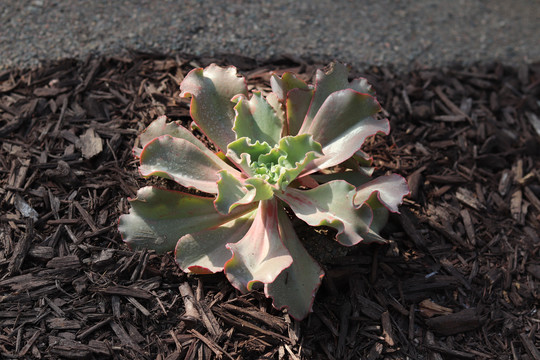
{"x":287,"y":82}
{"x":243,"y":153}
{"x":326,"y":82}
{"x":331,"y":204}
{"x":279,"y":109}
{"x":180,"y":160}
{"x":296,"y":286}
{"x":380,"y":213}
{"x":256,"y":120}
{"x":362,"y":86}
{"x":260,"y":255}
{"x":363,"y":158}
{"x":342,"y":124}
{"x":355,"y":178}
{"x":160,"y":127}
{"x":298,"y":101}
{"x":232,"y":192}
{"x":205,"y":252}
{"x":329,"y":81}
{"x":300,"y":151}
{"x":341,"y":111}
{"x":296,"y":95}
{"x":211,"y":91}
{"x":288,"y":159}
{"x":391,"y":189}
{"x":159,"y":218}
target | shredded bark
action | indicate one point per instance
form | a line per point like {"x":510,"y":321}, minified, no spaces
{"x":459,"y":277}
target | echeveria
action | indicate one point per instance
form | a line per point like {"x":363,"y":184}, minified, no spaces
{"x":271,"y":151}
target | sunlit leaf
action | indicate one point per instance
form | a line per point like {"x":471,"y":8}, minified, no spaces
{"x":179,"y":160}
{"x":260,"y":255}
{"x":159,"y":218}
{"x":211,"y":91}
{"x":256,"y":120}
{"x":296,"y":286}
{"x":205,"y":251}
{"x":331,"y":204}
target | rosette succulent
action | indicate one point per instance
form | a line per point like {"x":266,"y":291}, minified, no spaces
{"x":271,"y":152}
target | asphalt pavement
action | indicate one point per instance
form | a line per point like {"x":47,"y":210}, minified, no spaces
{"x":427,"y":33}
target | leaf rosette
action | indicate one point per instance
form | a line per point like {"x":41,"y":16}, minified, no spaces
{"x":274,"y":148}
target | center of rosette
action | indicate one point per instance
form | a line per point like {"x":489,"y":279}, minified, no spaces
{"x":269,"y":172}
{"x":277,"y":165}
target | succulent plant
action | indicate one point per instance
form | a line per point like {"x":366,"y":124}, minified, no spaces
{"x":270,"y":152}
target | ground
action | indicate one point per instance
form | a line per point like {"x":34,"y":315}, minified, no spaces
{"x":458,"y":278}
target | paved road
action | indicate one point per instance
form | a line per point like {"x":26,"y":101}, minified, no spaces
{"x":398,"y":32}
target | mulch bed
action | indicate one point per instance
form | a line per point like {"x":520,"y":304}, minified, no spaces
{"x":459,"y":278}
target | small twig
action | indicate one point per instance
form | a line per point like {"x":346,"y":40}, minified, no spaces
{"x":211,"y":344}
{"x":189,"y":302}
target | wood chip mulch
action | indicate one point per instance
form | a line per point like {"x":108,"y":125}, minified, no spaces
{"x":459,"y":278}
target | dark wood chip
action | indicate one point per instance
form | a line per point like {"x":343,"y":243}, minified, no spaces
{"x":64,"y":262}
{"x":21,"y":249}
{"x":462,"y":321}
{"x":532,"y":350}
{"x":125,"y":291}
{"x":270,"y":320}
{"x":63,"y":324}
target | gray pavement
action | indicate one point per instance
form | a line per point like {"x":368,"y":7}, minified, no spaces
{"x":402,"y":33}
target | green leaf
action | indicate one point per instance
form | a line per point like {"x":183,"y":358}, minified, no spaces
{"x":243,"y":153}
{"x":259,"y":190}
{"x":380,"y":213}
{"x":232,"y":192}
{"x":341,"y":112}
{"x":211,"y":91}
{"x":279,"y":109}
{"x":342,"y":124}
{"x":298,"y":102}
{"x":372,"y":236}
{"x":159,"y":218}
{"x":296,"y":286}
{"x":205,"y":251}
{"x":160,"y":127}
{"x":300,"y":151}
{"x":280,"y":165}
{"x":287,"y":82}
{"x":329,"y":81}
{"x":331,"y":204}
{"x":355,"y":178}
{"x":182,"y":161}
{"x":256,"y":120}
{"x":326,"y":82}
{"x":363,"y":158}
{"x":260,"y":255}
{"x":296,"y":95}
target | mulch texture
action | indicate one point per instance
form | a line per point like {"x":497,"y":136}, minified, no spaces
{"x":459,"y":278}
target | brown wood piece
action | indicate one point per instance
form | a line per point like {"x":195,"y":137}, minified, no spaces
{"x":387,"y":328}
{"x":21,"y":249}
{"x":125,"y":291}
{"x":463,"y":321}
{"x":216,"y":349}
{"x":532,"y":350}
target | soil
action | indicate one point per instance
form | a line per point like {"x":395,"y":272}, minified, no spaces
{"x":458,"y":279}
